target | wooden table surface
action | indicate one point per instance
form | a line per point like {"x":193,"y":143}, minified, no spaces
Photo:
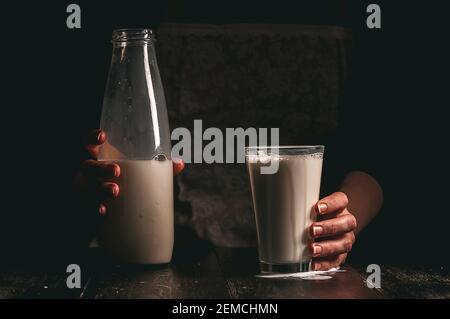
{"x":217,"y":273}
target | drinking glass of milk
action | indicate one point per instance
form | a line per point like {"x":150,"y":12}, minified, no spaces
{"x":138,"y":227}
{"x":283,"y":202}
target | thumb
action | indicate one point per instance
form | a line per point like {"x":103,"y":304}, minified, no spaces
{"x":93,"y":140}
{"x":178,"y":166}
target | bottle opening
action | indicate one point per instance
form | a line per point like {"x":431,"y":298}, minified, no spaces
{"x":132,"y":36}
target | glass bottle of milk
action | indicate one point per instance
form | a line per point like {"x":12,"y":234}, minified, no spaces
{"x":138,"y":226}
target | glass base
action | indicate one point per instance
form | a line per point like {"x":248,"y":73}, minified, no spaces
{"x":285,"y":268}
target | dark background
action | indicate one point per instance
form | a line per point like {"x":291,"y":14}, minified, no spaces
{"x":53,"y":83}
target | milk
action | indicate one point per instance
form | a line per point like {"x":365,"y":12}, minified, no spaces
{"x":284,"y":206}
{"x":138,"y":226}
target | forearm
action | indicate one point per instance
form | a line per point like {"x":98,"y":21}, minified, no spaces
{"x":365,"y":197}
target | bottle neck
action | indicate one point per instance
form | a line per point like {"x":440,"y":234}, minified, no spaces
{"x":134,"y":109}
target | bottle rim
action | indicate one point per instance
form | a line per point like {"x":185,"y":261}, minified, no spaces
{"x":132,"y":35}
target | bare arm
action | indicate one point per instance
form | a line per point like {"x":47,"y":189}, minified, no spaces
{"x":365,"y":197}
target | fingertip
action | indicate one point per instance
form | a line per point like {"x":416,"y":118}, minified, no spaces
{"x":316,"y":250}
{"x":101,"y":137}
{"x":111,"y":170}
{"x":316,"y":230}
{"x":354,"y":223}
{"x":115,"y":190}
{"x":322,"y":208}
{"x":343,"y":197}
{"x":102,"y":210}
{"x":178,"y":166}
{"x":111,"y":189}
{"x":116,"y":170}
